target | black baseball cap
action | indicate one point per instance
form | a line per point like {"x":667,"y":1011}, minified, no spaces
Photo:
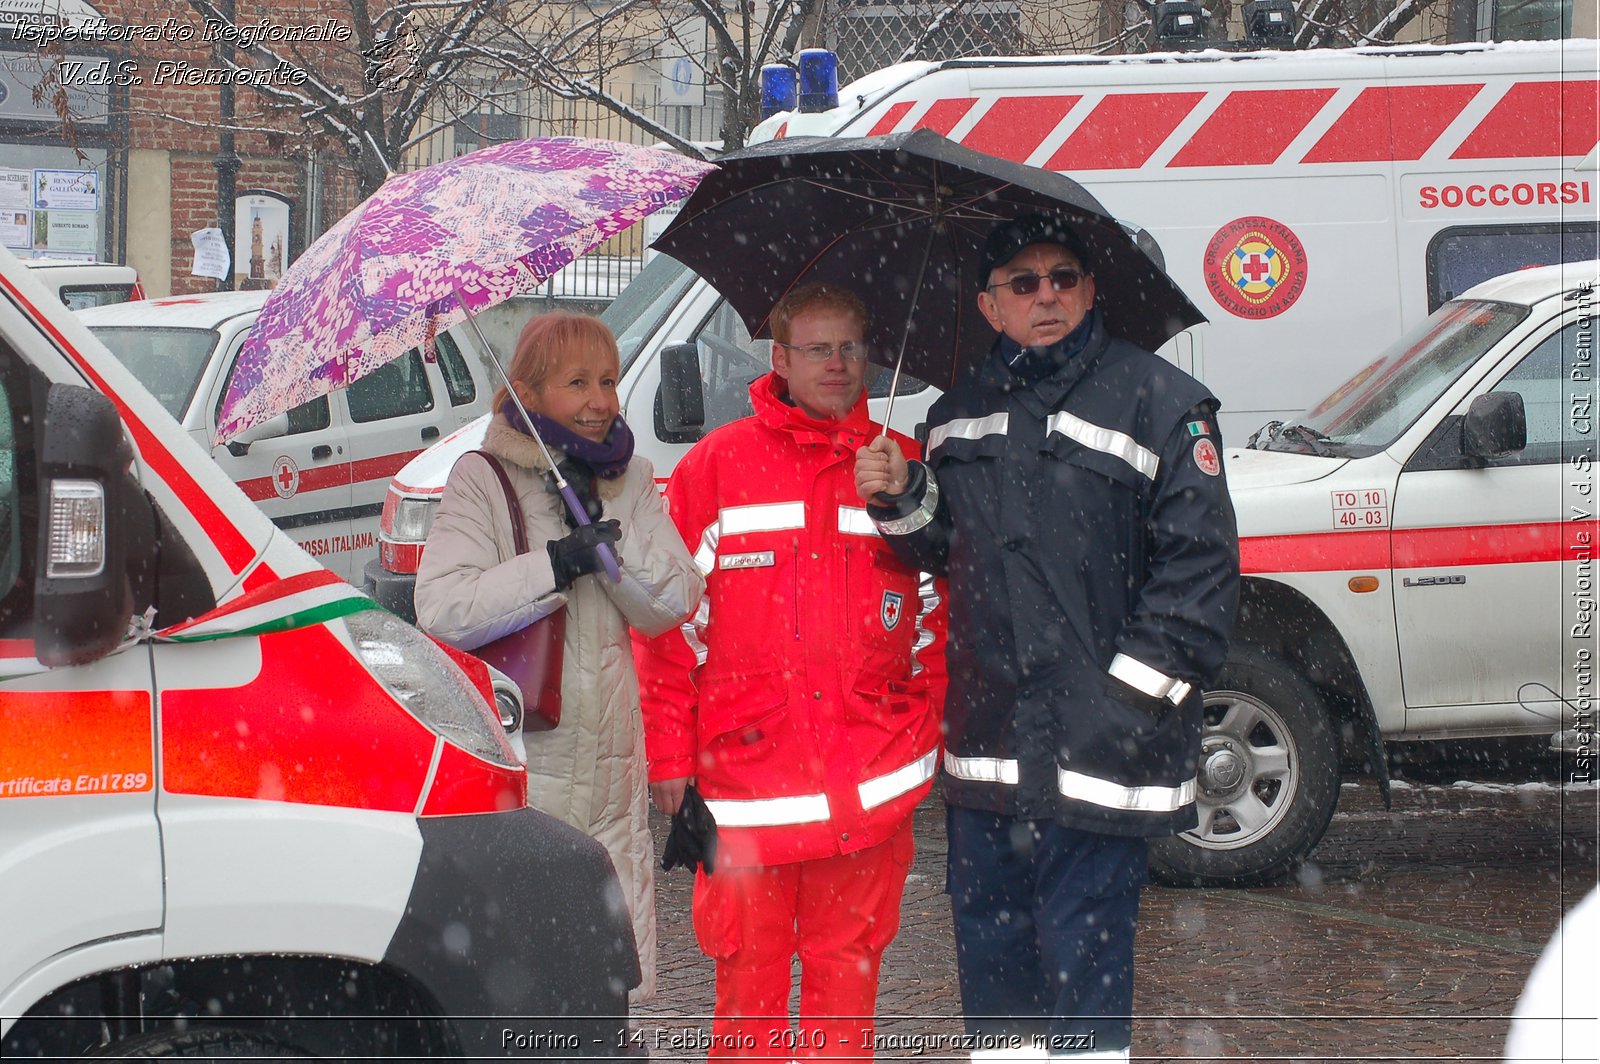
{"x":1008,"y":238}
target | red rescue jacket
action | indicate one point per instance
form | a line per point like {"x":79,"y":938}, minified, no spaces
{"x":812,"y":726}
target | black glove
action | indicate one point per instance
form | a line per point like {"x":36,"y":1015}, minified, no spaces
{"x":578,"y":554}
{"x":580,"y":478}
{"x":694,"y":835}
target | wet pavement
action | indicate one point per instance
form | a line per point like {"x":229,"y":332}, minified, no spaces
{"x":1408,"y":936}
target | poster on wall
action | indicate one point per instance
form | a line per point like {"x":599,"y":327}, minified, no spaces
{"x":16,"y":190}
{"x":72,"y":232}
{"x":260,"y":239}
{"x":67,"y":190}
{"x":16,"y":228}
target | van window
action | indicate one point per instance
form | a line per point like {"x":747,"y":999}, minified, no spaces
{"x":633,"y":316}
{"x":1461,"y":257}
{"x":79,"y":296}
{"x":395,"y":389}
{"x":1541,"y":380}
{"x":1371,"y":410}
{"x":310,"y":416}
{"x":168,"y":362}
{"x":457,"y":377}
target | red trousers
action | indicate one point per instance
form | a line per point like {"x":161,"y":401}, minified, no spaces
{"x":837,"y":913}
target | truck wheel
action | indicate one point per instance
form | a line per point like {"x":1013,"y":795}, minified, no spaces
{"x":1268,"y":779}
{"x":202,"y":1042}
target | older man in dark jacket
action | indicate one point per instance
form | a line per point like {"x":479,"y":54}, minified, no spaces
{"x":1073,"y":493}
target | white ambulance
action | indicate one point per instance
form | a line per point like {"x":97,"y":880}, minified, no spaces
{"x":319,"y":471}
{"x":243,"y":812}
{"x":1314,"y":205}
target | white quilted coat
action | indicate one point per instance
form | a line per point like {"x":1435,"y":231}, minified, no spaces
{"x":472,"y":588}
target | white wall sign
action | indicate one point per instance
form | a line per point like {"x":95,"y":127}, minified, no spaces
{"x":682,"y":56}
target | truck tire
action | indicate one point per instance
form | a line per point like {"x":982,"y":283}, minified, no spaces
{"x":1268,"y":779}
{"x":199,"y":1042}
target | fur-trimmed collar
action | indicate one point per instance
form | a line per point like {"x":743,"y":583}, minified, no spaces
{"x":518,"y":448}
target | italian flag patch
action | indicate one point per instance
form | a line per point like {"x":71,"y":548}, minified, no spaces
{"x":1199,"y":428}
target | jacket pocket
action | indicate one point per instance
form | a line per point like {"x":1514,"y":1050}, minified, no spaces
{"x":883,"y":602}
{"x":756,"y":617}
{"x":741,"y":718}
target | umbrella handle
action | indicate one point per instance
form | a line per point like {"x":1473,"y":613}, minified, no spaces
{"x":608,"y":558}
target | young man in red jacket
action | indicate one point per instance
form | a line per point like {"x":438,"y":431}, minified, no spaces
{"x":812,"y":728}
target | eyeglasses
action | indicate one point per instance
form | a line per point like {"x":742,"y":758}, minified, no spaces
{"x":1026,"y":284}
{"x":850,"y":351}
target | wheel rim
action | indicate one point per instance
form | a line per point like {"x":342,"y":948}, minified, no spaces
{"x":1249,"y":772}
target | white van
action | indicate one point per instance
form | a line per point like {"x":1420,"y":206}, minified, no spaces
{"x":243,"y":812}
{"x":320,"y":471}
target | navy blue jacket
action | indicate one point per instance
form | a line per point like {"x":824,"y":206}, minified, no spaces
{"x":1084,"y":524}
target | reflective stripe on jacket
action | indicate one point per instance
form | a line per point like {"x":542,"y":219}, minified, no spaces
{"x":812,"y":726}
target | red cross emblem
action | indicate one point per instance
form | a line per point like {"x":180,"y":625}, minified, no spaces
{"x":893,"y":603}
{"x":285,"y":476}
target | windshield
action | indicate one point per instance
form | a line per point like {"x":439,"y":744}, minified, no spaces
{"x":1372,"y":409}
{"x":636,"y":312}
{"x":168,"y":362}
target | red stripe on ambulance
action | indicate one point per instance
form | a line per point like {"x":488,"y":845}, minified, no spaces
{"x":1314,"y":552}
{"x":1430,"y":548}
{"x":1252,"y":128}
{"x":314,"y":727}
{"x":1398,"y":122}
{"x":944,"y":114}
{"x":891,"y":118}
{"x":1123,"y":131}
{"x":55,"y":743}
{"x":1016,"y":125}
{"x":1409,"y":548}
{"x":1537,"y":119}
{"x":317,"y":478}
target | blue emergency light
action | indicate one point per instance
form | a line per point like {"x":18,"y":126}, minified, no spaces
{"x":778,"y":89}
{"x":819,"y":80}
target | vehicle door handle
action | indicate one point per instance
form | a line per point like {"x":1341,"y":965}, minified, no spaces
{"x":431,"y":432}
{"x":322,"y":450}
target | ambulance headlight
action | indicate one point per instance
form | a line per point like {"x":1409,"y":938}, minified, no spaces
{"x":431,"y":687}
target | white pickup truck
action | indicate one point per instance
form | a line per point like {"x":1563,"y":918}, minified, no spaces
{"x":1417,"y":548}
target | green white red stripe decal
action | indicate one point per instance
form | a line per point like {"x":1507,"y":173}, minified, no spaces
{"x":294,"y":602}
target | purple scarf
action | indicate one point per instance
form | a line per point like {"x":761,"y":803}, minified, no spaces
{"x":608,"y":458}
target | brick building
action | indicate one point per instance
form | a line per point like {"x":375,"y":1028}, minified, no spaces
{"x":132,"y":170}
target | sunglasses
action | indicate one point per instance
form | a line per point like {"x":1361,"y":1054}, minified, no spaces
{"x":850,"y":351}
{"x":1026,"y":284}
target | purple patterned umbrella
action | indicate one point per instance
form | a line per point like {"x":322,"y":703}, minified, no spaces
{"x":484,"y":226}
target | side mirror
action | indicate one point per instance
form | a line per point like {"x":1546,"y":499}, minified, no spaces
{"x":82,"y":595}
{"x":1496,"y":425}
{"x":681,"y":401}
{"x":269,"y":429}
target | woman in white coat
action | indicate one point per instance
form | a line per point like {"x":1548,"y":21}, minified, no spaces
{"x":473,"y":588}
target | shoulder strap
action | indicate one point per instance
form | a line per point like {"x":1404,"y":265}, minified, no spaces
{"x":519,"y":534}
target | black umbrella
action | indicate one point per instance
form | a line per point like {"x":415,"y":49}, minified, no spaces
{"x":900,"y":220}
